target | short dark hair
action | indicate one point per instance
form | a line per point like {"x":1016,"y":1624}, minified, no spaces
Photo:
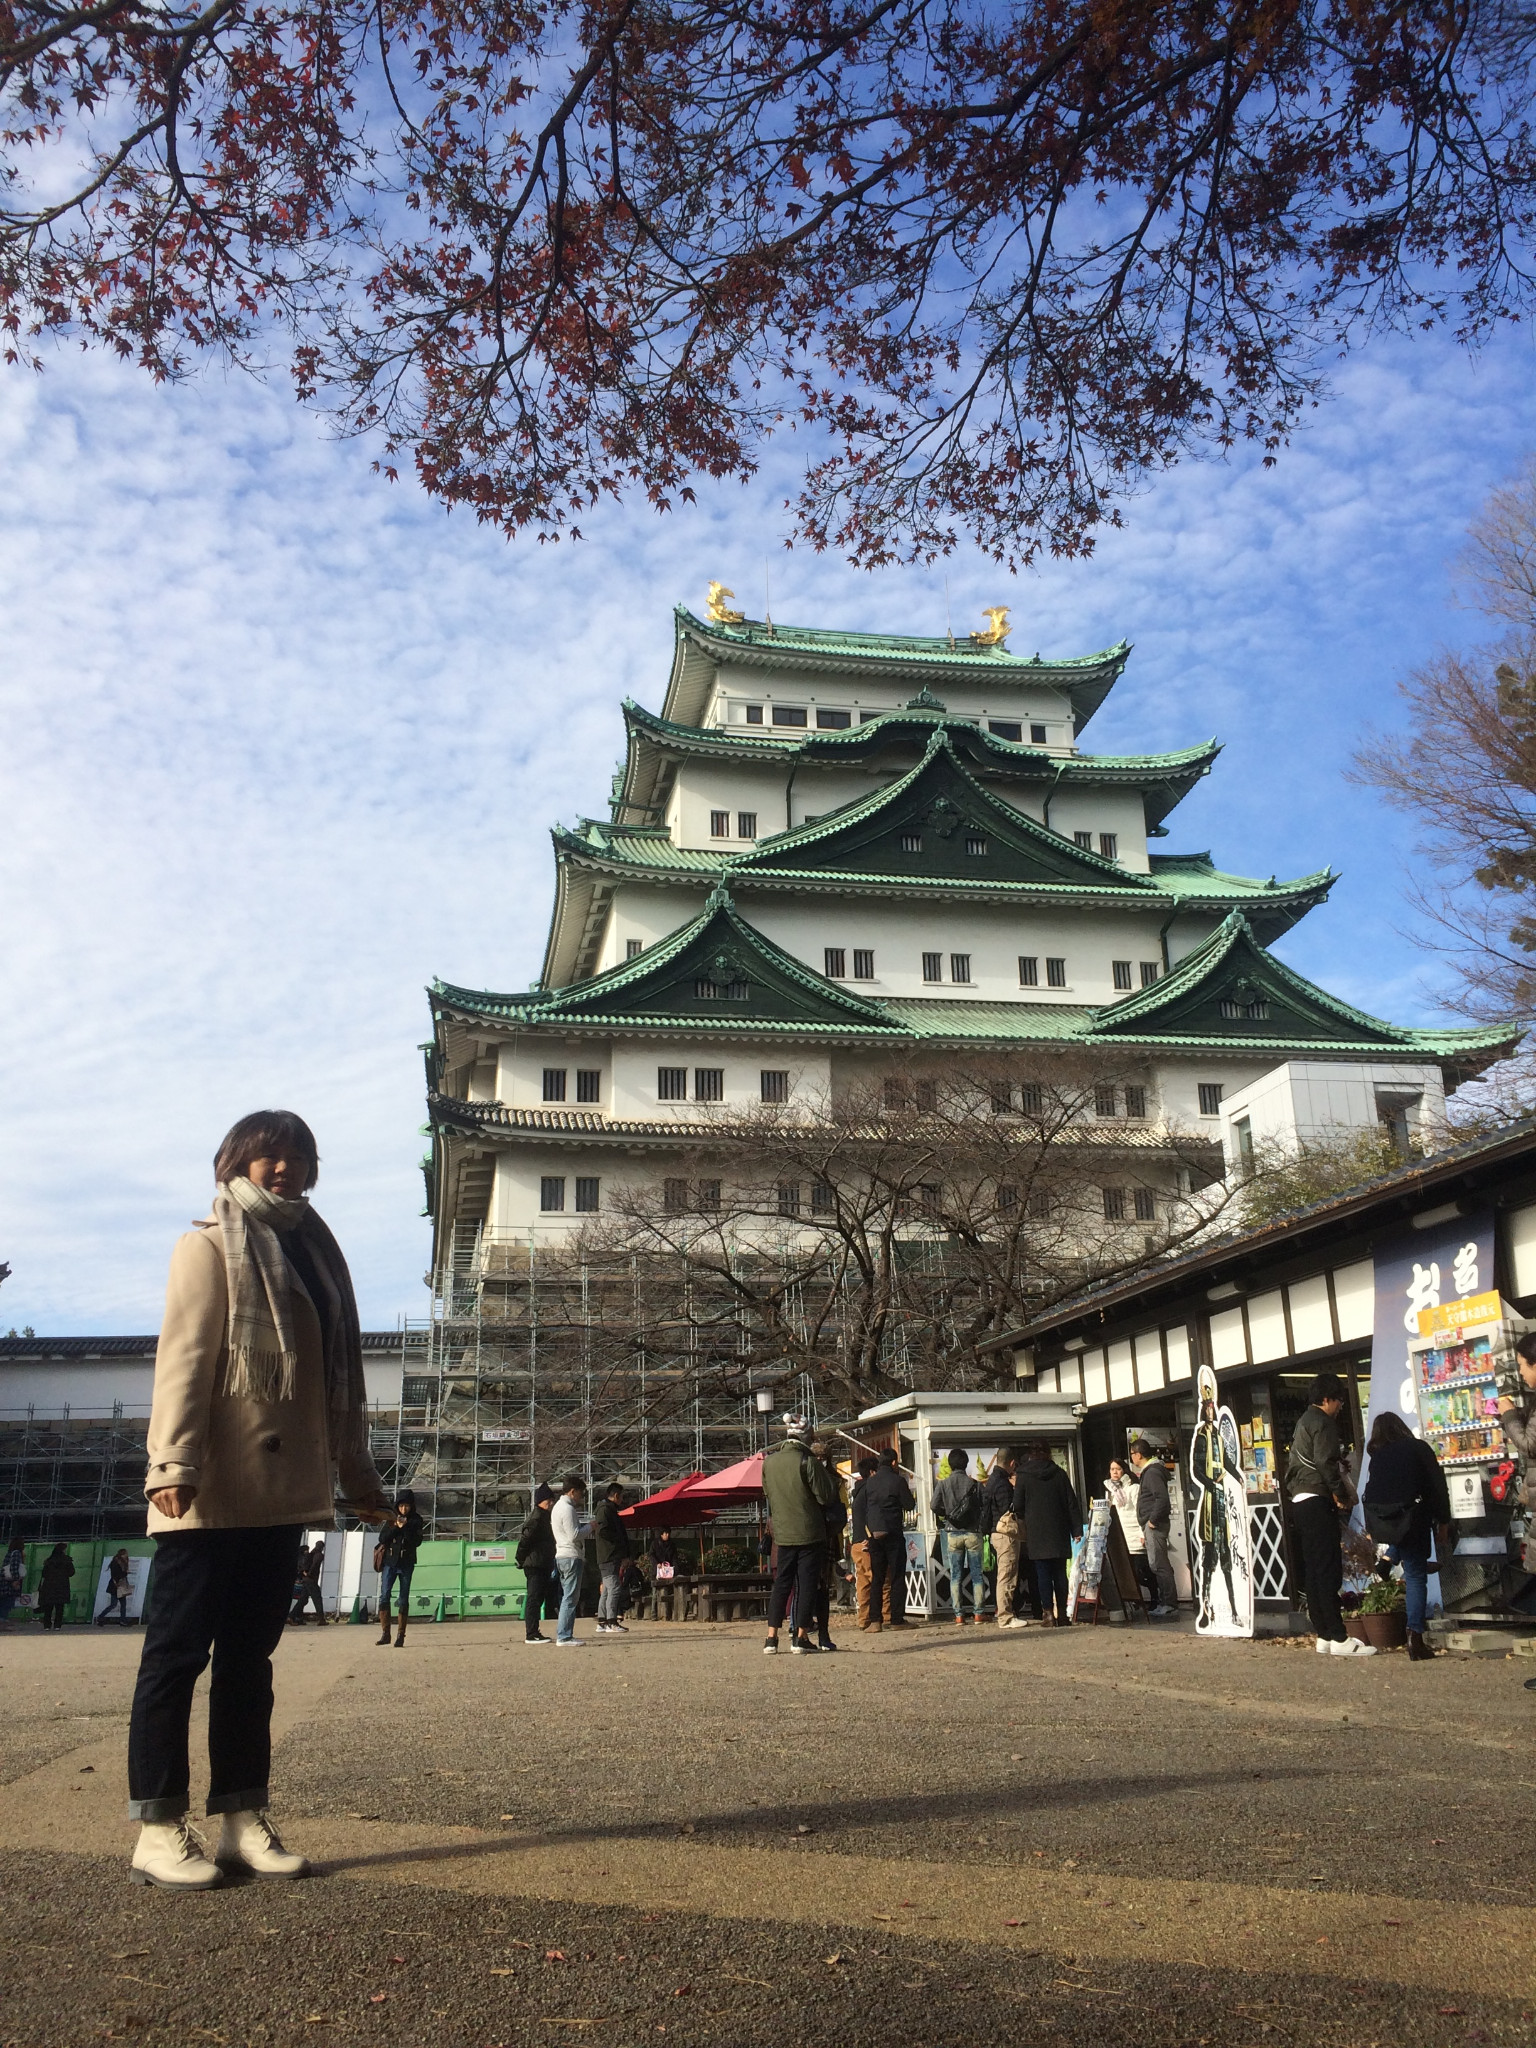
{"x":958,"y":1461}
{"x":614,"y":1486}
{"x":867,"y":1464}
{"x":888,"y":1456}
{"x":573,"y":1483}
{"x":1327,"y":1387}
{"x":265,"y":1134}
{"x":1139,"y":1448}
{"x":403,"y":1496}
{"x":1388,"y":1429}
{"x":1525,"y":1347}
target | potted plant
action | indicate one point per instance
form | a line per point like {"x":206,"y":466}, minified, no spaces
{"x":1381,"y":1618}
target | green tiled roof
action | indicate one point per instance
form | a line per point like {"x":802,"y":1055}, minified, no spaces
{"x":960,"y":651}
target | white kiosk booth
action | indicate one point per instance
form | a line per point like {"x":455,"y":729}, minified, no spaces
{"x":923,"y":1427}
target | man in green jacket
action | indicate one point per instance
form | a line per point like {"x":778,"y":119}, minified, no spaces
{"x":799,"y":1490}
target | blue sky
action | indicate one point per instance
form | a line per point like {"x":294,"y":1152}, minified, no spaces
{"x":282,"y":741}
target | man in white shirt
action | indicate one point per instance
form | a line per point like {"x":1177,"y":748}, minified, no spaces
{"x":571,"y":1529}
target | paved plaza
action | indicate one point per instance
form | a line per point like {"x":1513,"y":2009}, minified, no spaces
{"x":667,"y":1838}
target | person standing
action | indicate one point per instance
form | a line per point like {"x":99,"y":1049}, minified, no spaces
{"x":1120,"y":1490}
{"x":958,"y":1506}
{"x":1406,"y":1500}
{"x":53,"y":1585}
{"x":306,"y":1588}
{"x":1154,"y":1515}
{"x":259,"y":1405}
{"x":399,"y":1541}
{"x":798,"y":1489}
{"x":612,"y":1551}
{"x":888,"y":1500}
{"x":13,"y":1579}
{"x":1002,"y":1525}
{"x":835,"y":1516}
{"x":858,"y":1548}
{"x":119,"y":1586}
{"x":571,"y":1530}
{"x":1045,"y":1502}
{"x":535,"y":1555}
{"x":1319,"y":1494}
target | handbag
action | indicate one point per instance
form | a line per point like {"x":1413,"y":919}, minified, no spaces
{"x":1389,"y":1521}
{"x":378,"y":1557}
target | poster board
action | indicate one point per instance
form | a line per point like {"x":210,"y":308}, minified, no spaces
{"x":1088,"y":1557}
{"x":1220,"y":1542}
{"x":138,"y":1579}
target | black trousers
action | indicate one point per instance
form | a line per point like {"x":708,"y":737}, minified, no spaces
{"x":1316,"y":1523}
{"x":311,"y":1595}
{"x":798,"y":1571}
{"x":888,"y":1561}
{"x":542,"y":1597}
{"x":1051,"y":1579}
{"x":228,"y":1590}
{"x":53,"y":1614}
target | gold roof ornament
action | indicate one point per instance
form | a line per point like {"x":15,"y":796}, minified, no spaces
{"x":719,"y":610}
{"x":1000,"y":628}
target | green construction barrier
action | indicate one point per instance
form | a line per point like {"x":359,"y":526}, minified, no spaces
{"x":459,"y":1581}
{"x":87,"y":1556}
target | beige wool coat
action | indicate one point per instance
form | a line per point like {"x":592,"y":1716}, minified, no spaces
{"x":255,"y":1465}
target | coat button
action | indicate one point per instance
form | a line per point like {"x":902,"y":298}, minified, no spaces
{"x":271,"y":1443}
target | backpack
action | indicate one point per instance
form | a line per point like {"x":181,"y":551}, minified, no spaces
{"x":967,"y":1519}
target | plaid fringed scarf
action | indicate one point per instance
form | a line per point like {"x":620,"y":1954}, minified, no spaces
{"x":263,"y":1354}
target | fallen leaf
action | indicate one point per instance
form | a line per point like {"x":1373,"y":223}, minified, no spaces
{"x":554,"y":1955}
{"x":126,"y":1955}
{"x":682,"y":1991}
{"x":1391,"y":1923}
{"x":1013,"y":1923}
{"x":378,"y":1998}
{"x":314,"y":2019}
{"x":503,"y":1973}
{"x":833,"y":1959}
{"x":1322,"y":1941}
{"x":86,"y":1768}
{"x":1450,"y":2012}
{"x":397,"y":1959}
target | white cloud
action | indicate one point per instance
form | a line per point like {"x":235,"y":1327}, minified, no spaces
{"x":282,"y":741}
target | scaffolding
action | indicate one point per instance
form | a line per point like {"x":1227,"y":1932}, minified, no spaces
{"x":72,"y":1476}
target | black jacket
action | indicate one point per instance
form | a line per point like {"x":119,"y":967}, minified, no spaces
{"x":957,"y":1501}
{"x":53,"y":1586}
{"x":612,"y":1536}
{"x":536,"y":1542}
{"x":400,"y":1542}
{"x":857,"y":1531}
{"x":996,"y":1498}
{"x":887,"y":1501}
{"x":1045,"y":1501}
{"x":1401,"y":1474}
{"x":1154,"y":1509}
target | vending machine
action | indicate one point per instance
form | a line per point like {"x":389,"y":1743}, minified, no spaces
{"x":1463,"y":1359}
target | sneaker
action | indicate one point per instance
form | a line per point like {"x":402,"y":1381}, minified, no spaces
{"x":538,"y":1642}
{"x":1324,"y":1647}
{"x":771,"y":1647}
{"x":170,"y":1855}
{"x":569,"y":1643}
{"x":617,"y":1628}
{"x":248,"y":1841}
{"x":605,"y":1628}
{"x":825,"y":1643}
{"x":1163,"y":1612}
{"x":802,"y":1646}
{"x":1353,"y":1647}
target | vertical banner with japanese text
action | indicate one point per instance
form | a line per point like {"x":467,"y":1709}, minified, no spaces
{"x":1417,"y":1270}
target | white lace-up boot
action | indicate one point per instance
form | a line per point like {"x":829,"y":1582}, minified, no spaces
{"x":167,"y":1853}
{"x":249,"y":1841}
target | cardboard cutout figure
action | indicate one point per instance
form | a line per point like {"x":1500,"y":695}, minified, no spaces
{"x":1223,"y":1558}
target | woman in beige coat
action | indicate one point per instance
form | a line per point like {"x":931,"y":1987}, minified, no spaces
{"x":259,"y":1406}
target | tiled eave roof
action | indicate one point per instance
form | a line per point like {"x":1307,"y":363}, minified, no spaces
{"x":452,"y":1116}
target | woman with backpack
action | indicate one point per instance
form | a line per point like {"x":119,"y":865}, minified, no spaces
{"x":1405,"y":1501}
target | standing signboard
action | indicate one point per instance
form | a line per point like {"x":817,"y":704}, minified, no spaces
{"x":1223,"y":1554}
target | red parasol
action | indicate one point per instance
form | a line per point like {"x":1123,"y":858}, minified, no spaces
{"x":733,"y":1486}
{"x":670,"y":1509}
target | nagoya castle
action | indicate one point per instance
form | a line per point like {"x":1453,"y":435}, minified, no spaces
{"x":835,"y":853}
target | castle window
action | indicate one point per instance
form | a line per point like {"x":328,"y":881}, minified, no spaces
{"x":823,"y":1198}
{"x":774,"y":1083}
{"x":1136,"y":1104}
{"x":674,"y":1197}
{"x":746,"y":824}
{"x":1114,"y":1205}
{"x":1006,"y":729}
{"x":960,"y":967}
{"x":1109,"y":845}
{"x":589,"y":1084}
{"x":1040,"y":1206}
{"x":1151,"y":971}
{"x":1037,"y":735}
{"x":1253,"y":1012}
{"x":709,"y":1084}
{"x":1000,"y":1094}
{"x":1146,"y":1205}
{"x":895,"y":1094}
{"x":1121,"y":969}
{"x":554,"y":1084}
{"x":1031,"y":1098}
{"x":976,"y":843}
{"x":911,"y":842}
{"x":754,"y":714}
{"x":789,"y":1198}
{"x":671,"y":1084}
{"x":834,"y":963}
{"x":1007,"y":1198}
{"x":1103,"y":1101}
{"x":1055,"y":973}
{"x":790,"y":714}
{"x":927,"y":1097}
{"x":1029,"y":971}
{"x":720,"y":991}
{"x":1084,"y":840}
{"x":1210,"y":1098}
{"x":863,"y":964}
{"x":633,"y":948}
{"x":707,"y":1200}
{"x":933,"y":967}
{"x":552,"y":1193}
{"x":586,"y":1194}
{"x":719,"y":824}
{"x":834,"y":721}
